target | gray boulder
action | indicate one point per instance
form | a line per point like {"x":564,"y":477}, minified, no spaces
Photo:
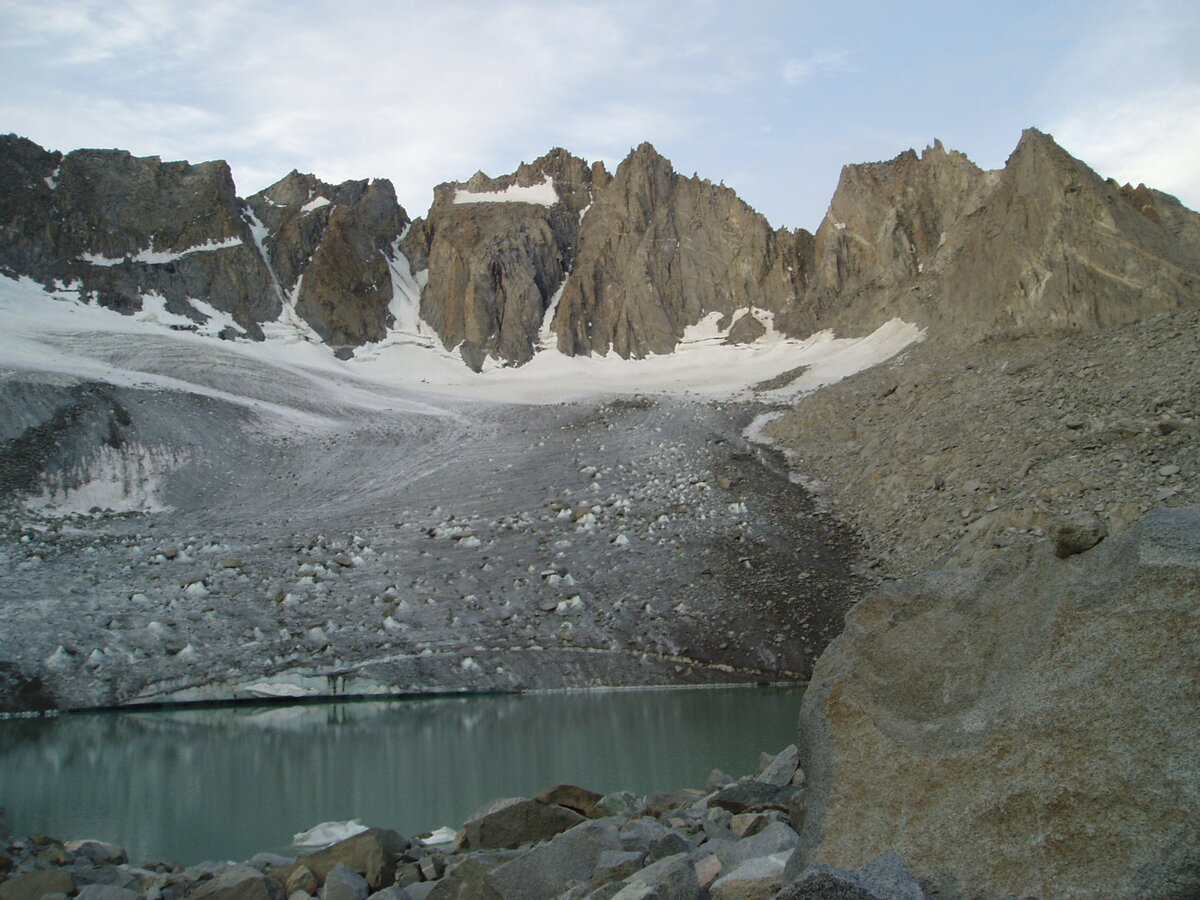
{"x":107,"y":892}
{"x":1016,"y":718}
{"x":372,"y":853}
{"x":99,"y":852}
{"x":239,"y":882}
{"x":550,"y":868}
{"x":755,"y":879}
{"x":782,"y":769}
{"x":32,"y":885}
{"x":343,"y":883}
{"x":775,"y":838}
{"x":884,"y":878}
{"x":673,"y":878}
{"x":515,"y":821}
{"x":619,"y":803}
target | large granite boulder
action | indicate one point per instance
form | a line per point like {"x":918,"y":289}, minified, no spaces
{"x":514,"y":821}
{"x":1024,"y":729}
{"x":372,"y":854}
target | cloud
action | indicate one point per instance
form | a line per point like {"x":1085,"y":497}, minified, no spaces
{"x":797,"y":71}
{"x":1153,"y":137}
{"x":1127,"y":100}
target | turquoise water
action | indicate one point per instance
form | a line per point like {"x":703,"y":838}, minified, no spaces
{"x":226,"y":783}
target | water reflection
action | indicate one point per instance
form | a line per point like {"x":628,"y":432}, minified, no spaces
{"x":226,"y":783}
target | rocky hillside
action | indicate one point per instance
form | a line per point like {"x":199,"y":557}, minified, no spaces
{"x":947,"y":455}
{"x":564,"y":254}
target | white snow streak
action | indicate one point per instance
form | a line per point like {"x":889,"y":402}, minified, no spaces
{"x":158,"y":257}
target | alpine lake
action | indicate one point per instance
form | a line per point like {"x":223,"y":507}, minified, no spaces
{"x":225,"y":782}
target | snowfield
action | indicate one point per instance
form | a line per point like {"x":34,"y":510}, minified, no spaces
{"x":187,"y":518}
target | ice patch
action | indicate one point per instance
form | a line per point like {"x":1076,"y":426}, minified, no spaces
{"x":542,"y":194}
{"x":125,"y":479}
{"x":328,"y":833}
{"x":314,"y":204}
{"x":278,"y":689}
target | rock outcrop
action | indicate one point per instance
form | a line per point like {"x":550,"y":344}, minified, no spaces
{"x":562,"y":254}
{"x":1023,"y":729}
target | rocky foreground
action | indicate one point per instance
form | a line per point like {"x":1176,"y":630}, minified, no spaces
{"x":1023,"y":729}
{"x":730,"y":841}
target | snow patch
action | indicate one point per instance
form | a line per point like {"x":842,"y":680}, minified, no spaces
{"x":154,"y":311}
{"x":158,"y":257}
{"x":314,"y":204}
{"x":542,"y":194}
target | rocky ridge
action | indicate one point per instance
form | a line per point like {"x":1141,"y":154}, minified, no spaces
{"x":562,"y":254}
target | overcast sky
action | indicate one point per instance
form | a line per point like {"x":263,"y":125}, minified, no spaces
{"x":769,"y":96}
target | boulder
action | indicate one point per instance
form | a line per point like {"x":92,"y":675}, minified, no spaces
{"x":884,"y":878}
{"x":579,"y":799}
{"x":32,"y":885}
{"x":759,"y":878}
{"x":615,"y":865}
{"x":749,"y":796}
{"x":781,"y":769}
{"x":1077,"y":534}
{"x":99,"y":852}
{"x":673,"y":878}
{"x":550,"y":868}
{"x":515,"y":821}
{"x":301,"y":879}
{"x":619,"y":803}
{"x":1022,"y":729}
{"x":343,"y":883}
{"x":107,"y":892}
{"x":660,"y":802}
{"x":775,"y":838}
{"x":238,"y":882}
{"x":373,"y":854}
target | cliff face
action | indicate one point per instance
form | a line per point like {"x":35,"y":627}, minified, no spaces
{"x":657,"y":252}
{"x":329,"y":246}
{"x":497,"y":250}
{"x":121,"y":228}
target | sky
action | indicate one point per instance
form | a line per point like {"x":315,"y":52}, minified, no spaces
{"x":770,"y":97}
